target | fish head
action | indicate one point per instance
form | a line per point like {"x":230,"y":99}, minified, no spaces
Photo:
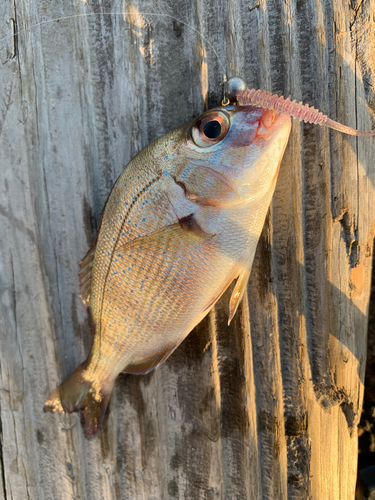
{"x":241,"y":145}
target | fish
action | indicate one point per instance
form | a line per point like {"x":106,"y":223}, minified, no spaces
{"x":181,"y":223}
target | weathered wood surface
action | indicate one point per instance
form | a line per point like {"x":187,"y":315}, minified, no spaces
{"x":264,"y":409}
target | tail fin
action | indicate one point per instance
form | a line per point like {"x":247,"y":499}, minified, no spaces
{"x":77,"y":393}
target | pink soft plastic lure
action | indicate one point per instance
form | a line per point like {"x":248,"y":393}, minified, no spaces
{"x":304,"y":112}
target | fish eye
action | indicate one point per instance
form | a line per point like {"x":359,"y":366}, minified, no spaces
{"x":210,"y":129}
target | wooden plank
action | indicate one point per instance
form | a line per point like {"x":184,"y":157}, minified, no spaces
{"x":265,"y":408}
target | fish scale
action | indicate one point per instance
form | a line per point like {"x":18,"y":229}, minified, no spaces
{"x":181,"y":223}
{"x":123,"y":209}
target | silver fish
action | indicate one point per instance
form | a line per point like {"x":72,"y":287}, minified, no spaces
{"x":182,"y":222}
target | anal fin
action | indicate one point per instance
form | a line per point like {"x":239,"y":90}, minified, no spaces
{"x":148,"y":364}
{"x":238,"y":291}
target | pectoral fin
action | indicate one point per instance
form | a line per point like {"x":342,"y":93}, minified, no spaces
{"x":186,"y":231}
{"x":238,"y":292}
{"x":144,"y":264}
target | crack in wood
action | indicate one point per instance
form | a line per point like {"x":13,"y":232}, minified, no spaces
{"x":2,"y":466}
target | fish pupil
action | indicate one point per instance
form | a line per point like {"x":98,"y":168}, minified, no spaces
{"x":212,"y":129}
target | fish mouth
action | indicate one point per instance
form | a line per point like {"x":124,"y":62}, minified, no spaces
{"x":270,"y":122}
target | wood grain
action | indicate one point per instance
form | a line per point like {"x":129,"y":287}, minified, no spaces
{"x":264,"y":409}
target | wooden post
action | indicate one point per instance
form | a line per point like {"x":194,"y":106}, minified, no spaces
{"x":264,"y":409}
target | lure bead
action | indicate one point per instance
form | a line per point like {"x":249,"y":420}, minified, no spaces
{"x":233,"y":86}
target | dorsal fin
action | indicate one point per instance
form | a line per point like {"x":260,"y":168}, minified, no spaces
{"x":85,"y":267}
{"x":84,"y":273}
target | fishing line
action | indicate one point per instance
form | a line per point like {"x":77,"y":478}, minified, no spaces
{"x":122,"y":14}
{"x":245,"y":97}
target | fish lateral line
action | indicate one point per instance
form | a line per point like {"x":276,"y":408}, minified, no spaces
{"x":115,"y":14}
{"x":125,"y":219}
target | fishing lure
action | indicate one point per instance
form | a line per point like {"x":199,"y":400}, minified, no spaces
{"x":237,"y":92}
